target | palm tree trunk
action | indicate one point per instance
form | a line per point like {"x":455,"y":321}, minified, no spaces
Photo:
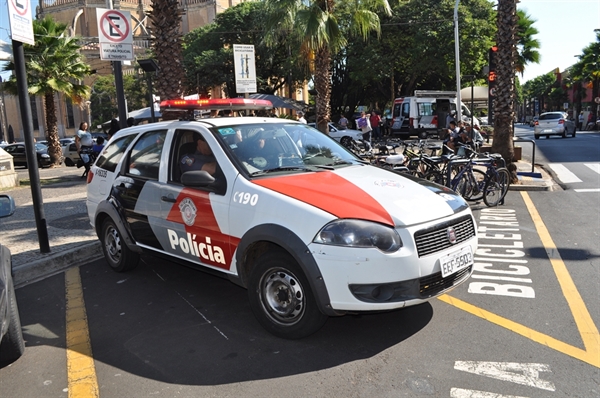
{"x":505,"y":87}
{"x":323,"y":87}
{"x":54,"y":148}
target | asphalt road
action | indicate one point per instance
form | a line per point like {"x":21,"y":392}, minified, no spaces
{"x":525,"y":324}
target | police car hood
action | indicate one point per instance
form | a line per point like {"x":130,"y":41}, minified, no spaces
{"x":369,"y":193}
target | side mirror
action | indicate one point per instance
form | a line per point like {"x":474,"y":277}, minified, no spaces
{"x":7,"y":206}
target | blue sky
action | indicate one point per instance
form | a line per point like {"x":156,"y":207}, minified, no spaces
{"x":565,"y":28}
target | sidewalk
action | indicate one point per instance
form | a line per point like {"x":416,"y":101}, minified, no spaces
{"x":73,"y":242}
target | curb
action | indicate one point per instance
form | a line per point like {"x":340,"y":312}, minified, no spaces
{"x":38,"y":270}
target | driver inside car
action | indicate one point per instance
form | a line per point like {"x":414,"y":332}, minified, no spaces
{"x":202,"y":159}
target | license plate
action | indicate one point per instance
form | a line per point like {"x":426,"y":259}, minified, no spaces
{"x":548,"y":131}
{"x":456,"y":261}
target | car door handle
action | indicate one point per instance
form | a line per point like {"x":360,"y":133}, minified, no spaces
{"x":168,"y":199}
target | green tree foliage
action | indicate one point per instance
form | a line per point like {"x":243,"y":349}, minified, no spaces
{"x":527,"y":44}
{"x":415,"y":51}
{"x":208,"y":53}
{"x":54,"y":65}
{"x":322,"y":28}
{"x":104,"y":97}
{"x":587,"y":69}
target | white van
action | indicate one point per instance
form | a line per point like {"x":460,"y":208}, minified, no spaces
{"x":424,"y":114}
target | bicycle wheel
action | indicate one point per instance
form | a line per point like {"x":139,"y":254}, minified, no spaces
{"x":435,"y":176}
{"x":478,"y":188}
{"x":496,"y":187}
{"x":463,"y":185}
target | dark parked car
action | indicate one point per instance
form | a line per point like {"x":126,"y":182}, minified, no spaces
{"x":11,"y":336}
{"x":19,"y":158}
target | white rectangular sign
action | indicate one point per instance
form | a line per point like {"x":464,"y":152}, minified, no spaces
{"x":245,"y":71}
{"x":21,"y":23}
{"x":115,"y":35}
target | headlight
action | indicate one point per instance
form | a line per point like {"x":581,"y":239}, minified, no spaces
{"x":359,"y":233}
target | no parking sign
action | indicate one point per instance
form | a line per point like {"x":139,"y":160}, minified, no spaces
{"x":114,"y":35}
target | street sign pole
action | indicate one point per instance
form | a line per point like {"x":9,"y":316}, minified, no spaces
{"x":21,"y":25}
{"x":26,"y":120}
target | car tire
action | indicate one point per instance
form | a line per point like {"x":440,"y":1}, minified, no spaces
{"x":69,"y":162}
{"x":118,"y":256}
{"x":12,"y":345}
{"x":574,"y":131}
{"x":423,"y":135}
{"x":281,"y":297}
{"x":537,"y":136}
{"x":564,"y":133}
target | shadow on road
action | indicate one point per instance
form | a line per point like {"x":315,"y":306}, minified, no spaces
{"x":173,"y":324}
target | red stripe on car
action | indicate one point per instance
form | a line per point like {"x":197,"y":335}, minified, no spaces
{"x":205,"y":226}
{"x":331,"y":193}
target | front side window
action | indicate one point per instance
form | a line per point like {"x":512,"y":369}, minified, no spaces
{"x":144,"y":160}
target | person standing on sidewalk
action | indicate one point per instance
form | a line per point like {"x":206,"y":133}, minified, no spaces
{"x":375,"y":121}
{"x":84,"y":143}
{"x":364,"y":124}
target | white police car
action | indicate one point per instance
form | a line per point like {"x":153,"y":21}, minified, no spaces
{"x":307,"y":227}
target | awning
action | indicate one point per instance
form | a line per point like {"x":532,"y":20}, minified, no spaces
{"x":139,"y":115}
{"x":282,"y":102}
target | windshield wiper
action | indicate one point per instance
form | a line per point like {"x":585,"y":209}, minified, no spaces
{"x":283,"y":168}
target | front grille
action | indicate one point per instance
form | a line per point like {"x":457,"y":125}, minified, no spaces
{"x":435,"y":239}
{"x":433,"y":284}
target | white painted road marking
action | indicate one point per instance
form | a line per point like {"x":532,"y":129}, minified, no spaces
{"x":563,"y":174}
{"x":462,"y":393}
{"x":594,"y":166}
{"x":527,"y":374}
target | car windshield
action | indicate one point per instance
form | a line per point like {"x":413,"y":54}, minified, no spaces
{"x":284,"y":147}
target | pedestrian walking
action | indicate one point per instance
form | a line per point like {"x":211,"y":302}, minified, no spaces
{"x":375,"y":121}
{"x":364,"y":124}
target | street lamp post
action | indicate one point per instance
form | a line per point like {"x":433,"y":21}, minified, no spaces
{"x":149,"y":65}
{"x":89,"y":114}
{"x":457,"y":62}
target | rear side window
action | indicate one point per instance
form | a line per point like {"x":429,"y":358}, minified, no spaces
{"x":551,"y":116}
{"x":113,"y":153}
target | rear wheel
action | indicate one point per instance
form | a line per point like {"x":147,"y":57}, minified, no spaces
{"x":537,"y":136}
{"x":118,"y":256}
{"x":69,"y":162}
{"x":12,"y":345}
{"x":564,"y":133}
{"x":281,"y":298}
{"x":496,"y":187}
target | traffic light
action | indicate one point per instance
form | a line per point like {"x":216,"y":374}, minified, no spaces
{"x":492,"y":61}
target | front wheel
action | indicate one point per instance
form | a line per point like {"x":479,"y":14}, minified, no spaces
{"x":118,"y":256}
{"x":281,"y":298}
{"x":12,"y":345}
{"x":496,"y":187}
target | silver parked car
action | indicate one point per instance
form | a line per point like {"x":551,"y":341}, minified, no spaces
{"x":554,"y":123}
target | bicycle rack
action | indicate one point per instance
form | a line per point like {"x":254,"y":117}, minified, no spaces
{"x":532,"y":174}
{"x":451,"y":165}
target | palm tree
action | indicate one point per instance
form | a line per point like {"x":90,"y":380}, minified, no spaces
{"x":504,"y":113}
{"x":54,"y":65}
{"x":166,"y":43}
{"x":587,"y":69}
{"x":316,"y":27}
{"x":527,"y":46}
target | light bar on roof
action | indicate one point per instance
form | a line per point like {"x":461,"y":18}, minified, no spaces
{"x":234,"y":104}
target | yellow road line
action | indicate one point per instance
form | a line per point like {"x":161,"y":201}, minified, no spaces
{"x":585,"y":323}
{"x":81,"y":372}
{"x":583,"y":320}
{"x":531,"y":334}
